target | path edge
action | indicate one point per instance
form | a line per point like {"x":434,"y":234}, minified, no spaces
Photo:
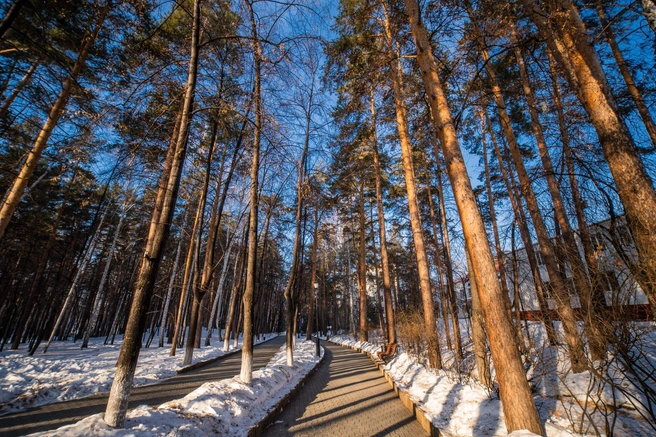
{"x":272,"y":415}
{"x":405,"y":398}
{"x":195,"y":366}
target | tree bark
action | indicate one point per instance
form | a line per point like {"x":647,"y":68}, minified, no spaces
{"x":247,"y":347}
{"x":478,"y":332}
{"x":522,"y":224}
{"x":158,"y":234}
{"x":432,"y":339}
{"x":518,"y":405}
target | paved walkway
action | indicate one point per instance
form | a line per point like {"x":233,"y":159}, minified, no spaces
{"x":53,"y":416}
{"x":347,"y":396}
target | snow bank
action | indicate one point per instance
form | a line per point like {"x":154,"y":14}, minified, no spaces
{"x":67,"y":372}
{"x":227,"y":407}
{"x":462,"y":407}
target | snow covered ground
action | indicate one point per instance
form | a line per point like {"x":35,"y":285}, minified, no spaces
{"x":459,"y":406}
{"x":227,"y":407}
{"x":67,"y":372}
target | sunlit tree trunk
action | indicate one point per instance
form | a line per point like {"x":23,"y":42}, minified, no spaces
{"x":157,"y":236}
{"x":249,"y":290}
{"x":522,"y":224}
{"x":495,"y":231}
{"x":518,"y":405}
{"x":432,"y":339}
{"x":478,"y":332}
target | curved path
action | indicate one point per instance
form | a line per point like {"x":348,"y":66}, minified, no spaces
{"x":53,"y":416}
{"x":347,"y":396}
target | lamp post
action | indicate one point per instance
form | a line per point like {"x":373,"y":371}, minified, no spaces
{"x":316,"y":317}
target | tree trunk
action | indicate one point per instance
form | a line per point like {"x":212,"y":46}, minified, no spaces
{"x":382,"y":233}
{"x":187,"y":278}
{"x":174,"y":274}
{"x":478,"y":332}
{"x":438,"y":259}
{"x":238,"y":273}
{"x":495,"y":231}
{"x":19,"y":87}
{"x":247,"y":347}
{"x":434,"y":353}
{"x":518,"y":405}
{"x":10,"y":17}
{"x":219,"y":289}
{"x":649,"y":11}
{"x":15,"y":193}
{"x":157,"y":236}
{"x":199,"y":289}
{"x":522,"y":223}
{"x":291,"y":283}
